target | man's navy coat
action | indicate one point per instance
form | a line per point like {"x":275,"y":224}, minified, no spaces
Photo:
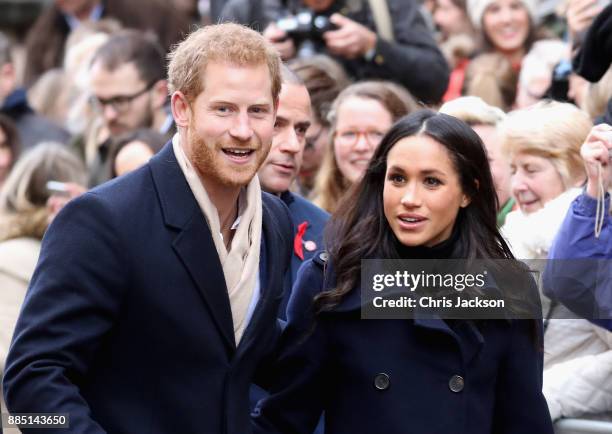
{"x":127,"y":324}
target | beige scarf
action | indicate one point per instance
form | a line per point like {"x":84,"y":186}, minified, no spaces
{"x":241,"y":263}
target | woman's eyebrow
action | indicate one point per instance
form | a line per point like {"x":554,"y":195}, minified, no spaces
{"x":433,"y":172}
{"x":397,"y":168}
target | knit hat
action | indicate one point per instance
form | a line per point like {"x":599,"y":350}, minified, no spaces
{"x":476,"y":9}
{"x":595,"y":55}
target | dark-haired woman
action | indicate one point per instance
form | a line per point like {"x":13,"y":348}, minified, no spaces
{"x":427,"y":193}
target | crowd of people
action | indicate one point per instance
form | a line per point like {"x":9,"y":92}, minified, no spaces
{"x":188,"y":191}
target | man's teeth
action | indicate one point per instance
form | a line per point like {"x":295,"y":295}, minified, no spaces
{"x":238,"y":151}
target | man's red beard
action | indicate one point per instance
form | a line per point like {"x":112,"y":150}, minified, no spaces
{"x":207,"y":160}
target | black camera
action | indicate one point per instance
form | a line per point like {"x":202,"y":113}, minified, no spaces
{"x":305,"y":25}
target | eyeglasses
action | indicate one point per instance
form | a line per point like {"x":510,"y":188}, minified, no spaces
{"x":120,"y":103}
{"x":349,"y":138}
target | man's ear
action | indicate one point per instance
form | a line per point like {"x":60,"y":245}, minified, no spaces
{"x":181,"y":109}
{"x":160,"y":94}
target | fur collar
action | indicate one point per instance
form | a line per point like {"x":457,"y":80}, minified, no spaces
{"x":531,"y":235}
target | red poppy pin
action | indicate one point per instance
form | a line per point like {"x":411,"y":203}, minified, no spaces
{"x":298,"y":243}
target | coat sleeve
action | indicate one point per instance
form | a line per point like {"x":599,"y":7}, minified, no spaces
{"x":520,"y":405}
{"x":413,"y":58}
{"x":72,"y":302}
{"x":578,"y":272}
{"x":295,"y":402}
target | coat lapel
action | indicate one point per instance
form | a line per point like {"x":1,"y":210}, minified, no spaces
{"x":267,"y":285}
{"x":193,"y":242}
{"x":195,"y":246}
{"x":467,"y":336}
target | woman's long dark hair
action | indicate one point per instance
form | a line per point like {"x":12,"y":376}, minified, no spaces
{"x":359,"y":228}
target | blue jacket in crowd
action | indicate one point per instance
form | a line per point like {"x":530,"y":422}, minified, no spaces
{"x":578,"y":272}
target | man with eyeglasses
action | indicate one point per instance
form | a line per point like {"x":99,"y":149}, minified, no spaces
{"x":128,"y":92}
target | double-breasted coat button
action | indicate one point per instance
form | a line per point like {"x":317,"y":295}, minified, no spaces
{"x":456,"y":383}
{"x":381,"y":381}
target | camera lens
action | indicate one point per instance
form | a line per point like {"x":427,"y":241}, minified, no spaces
{"x":321,"y":22}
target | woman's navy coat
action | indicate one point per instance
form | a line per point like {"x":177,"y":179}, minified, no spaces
{"x":401,"y":376}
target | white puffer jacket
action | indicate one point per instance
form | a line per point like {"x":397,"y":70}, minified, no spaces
{"x":577,"y":353}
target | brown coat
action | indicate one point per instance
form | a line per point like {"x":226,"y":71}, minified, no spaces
{"x":45,"y":40}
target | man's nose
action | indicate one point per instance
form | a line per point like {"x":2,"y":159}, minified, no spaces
{"x":291,"y":143}
{"x":110,"y":114}
{"x":241,"y":128}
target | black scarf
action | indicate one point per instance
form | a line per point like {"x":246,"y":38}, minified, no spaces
{"x":450,"y":248}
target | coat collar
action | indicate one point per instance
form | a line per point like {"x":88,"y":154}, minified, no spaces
{"x":193,"y":242}
{"x":194,"y":245}
{"x":465,"y":334}
{"x":178,"y":205}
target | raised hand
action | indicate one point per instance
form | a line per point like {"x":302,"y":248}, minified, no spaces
{"x":595,"y":151}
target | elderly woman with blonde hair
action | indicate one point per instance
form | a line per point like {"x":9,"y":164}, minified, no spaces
{"x":543,"y":145}
{"x":359,"y":118}
{"x":26,"y":208}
